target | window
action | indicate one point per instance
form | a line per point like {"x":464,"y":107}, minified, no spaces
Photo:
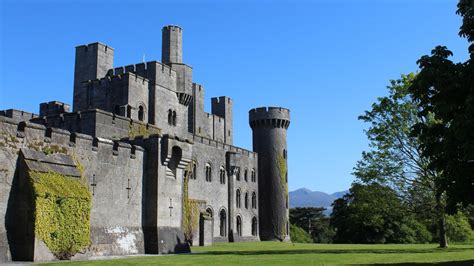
{"x":208,"y":172}
{"x":284,"y":154}
{"x":254,"y":226}
{"x":170,"y":117}
{"x":239,"y":226}
{"x":254,"y":176}
{"x":222,"y":225}
{"x":254,"y":200}
{"x":222,"y":175}
{"x":246,"y":173}
{"x":141,"y":113}
{"x":238,"y":175}
{"x":237,"y":198}
{"x":129,"y":111}
{"x":246,"y":200}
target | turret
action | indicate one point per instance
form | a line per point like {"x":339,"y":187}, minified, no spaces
{"x":269,"y":127}
{"x":172,"y":45}
{"x":93,"y":61}
{"x":222,"y":107}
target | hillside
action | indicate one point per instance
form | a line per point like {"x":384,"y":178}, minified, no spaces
{"x":304,"y":197}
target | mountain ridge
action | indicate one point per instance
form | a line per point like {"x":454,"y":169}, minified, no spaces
{"x":304,"y":197}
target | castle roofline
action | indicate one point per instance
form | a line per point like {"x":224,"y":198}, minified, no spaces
{"x":95,"y":44}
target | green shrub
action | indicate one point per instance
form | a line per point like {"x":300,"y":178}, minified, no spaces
{"x":62,"y":213}
{"x":298,"y":235}
{"x":458,"y":228}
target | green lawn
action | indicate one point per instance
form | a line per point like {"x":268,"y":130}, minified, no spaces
{"x":274,"y":253}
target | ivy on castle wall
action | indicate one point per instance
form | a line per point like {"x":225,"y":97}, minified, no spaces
{"x":190,"y":209}
{"x":137,"y":129}
{"x":62,"y":212}
{"x":283,"y":168}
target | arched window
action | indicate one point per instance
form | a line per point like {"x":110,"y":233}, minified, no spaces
{"x":246,"y":200}
{"x":222,"y":225}
{"x":287,"y":201}
{"x":237,"y":198}
{"x":170,"y":117}
{"x":222,"y":175}
{"x":129,"y":111}
{"x":254,"y":226}
{"x":141,"y":113}
{"x":174,"y":118}
{"x":238,"y":175}
{"x":208,"y":172}
{"x":239,"y":226}
{"x":246,"y":173}
{"x":254,"y":200}
{"x":284,"y":154}
{"x":254,"y":176}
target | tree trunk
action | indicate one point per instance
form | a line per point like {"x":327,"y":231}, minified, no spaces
{"x":443,"y":240}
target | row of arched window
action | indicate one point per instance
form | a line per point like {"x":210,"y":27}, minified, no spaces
{"x":141,"y":112}
{"x":253,"y":175}
{"x":222,"y":173}
{"x":246,"y":199}
{"x":223,"y":224}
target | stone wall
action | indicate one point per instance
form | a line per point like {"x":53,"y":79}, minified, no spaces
{"x":114,"y":171}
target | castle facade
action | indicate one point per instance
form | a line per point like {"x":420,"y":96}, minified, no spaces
{"x":140,"y":138}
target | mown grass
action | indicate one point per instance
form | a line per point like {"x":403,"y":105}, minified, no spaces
{"x":274,"y":253}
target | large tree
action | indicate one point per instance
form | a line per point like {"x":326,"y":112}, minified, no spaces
{"x":395,"y":158}
{"x":445,"y":90}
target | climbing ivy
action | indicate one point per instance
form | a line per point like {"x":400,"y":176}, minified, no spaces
{"x":190,"y":209}
{"x":283,"y":167}
{"x":137,"y":129}
{"x":62,"y":212}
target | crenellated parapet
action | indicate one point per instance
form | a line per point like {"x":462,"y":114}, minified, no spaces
{"x":267,"y":117}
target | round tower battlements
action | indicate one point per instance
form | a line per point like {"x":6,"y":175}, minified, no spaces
{"x":172,"y":27}
{"x":262,"y":117}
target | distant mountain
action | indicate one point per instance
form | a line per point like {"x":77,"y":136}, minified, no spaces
{"x":304,"y":197}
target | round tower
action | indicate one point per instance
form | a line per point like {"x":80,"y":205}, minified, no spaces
{"x":269,"y":127}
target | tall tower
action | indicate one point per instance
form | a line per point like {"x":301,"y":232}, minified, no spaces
{"x":93,"y":61}
{"x":269,"y":127}
{"x":172,"y":45}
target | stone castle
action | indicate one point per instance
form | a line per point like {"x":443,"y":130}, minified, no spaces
{"x":139,"y":137}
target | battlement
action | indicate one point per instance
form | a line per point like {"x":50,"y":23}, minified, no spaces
{"x":172,"y":27}
{"x":142,"y":69}
{"x":223,"y":146}
{"x":37,"y":137}
{"x":18,"y":115}
{"x":53,"y":108}
{"x":221,"y":100}
{"x":269,"y":117}
{"x":118,"y":78}
{"x":95,"y":46}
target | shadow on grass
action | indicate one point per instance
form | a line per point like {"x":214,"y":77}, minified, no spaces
{"x":333,"y":251}
{"x":456,"y":263}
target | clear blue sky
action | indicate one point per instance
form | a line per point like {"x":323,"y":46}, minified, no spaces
{"x":325,"y":60}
